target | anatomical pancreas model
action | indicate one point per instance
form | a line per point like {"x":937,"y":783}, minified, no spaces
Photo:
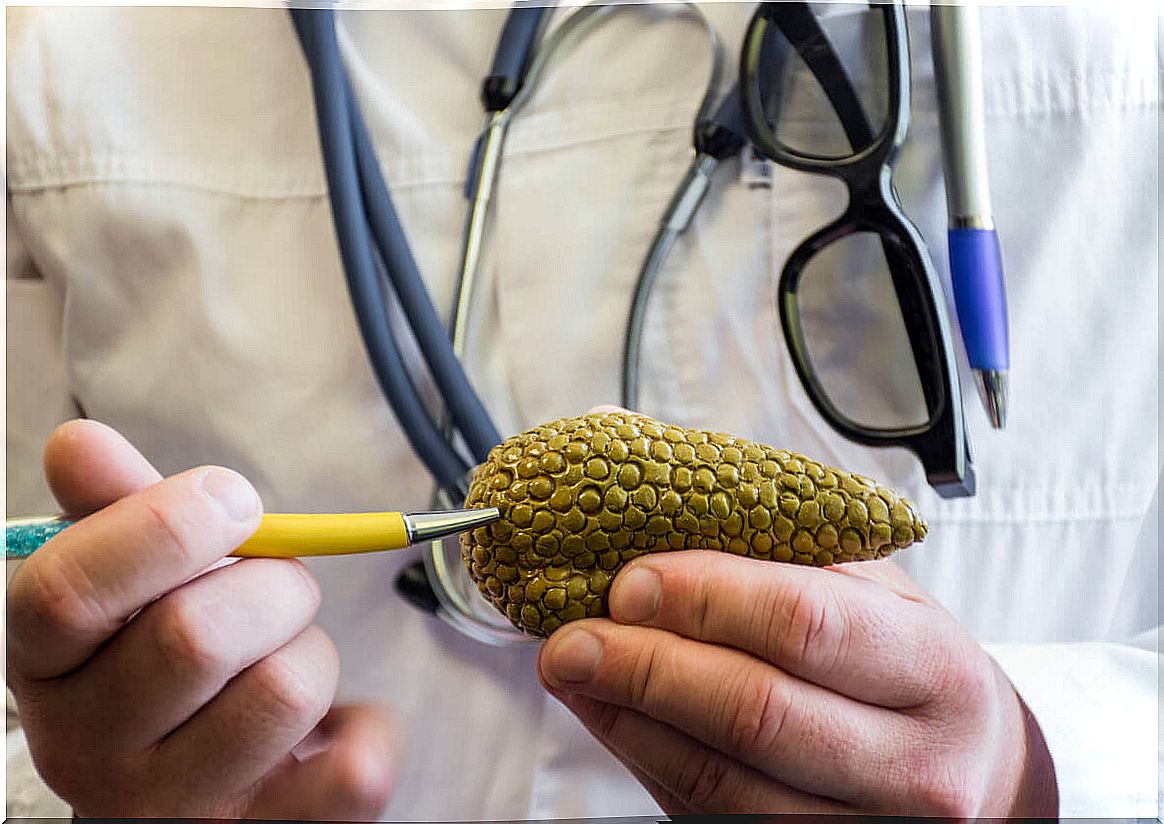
{"x":580,"y":497}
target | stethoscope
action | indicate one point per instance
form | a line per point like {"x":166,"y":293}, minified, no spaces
{"x":377,"y":258}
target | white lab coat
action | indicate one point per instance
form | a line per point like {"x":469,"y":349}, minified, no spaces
{"x":172,"y":271}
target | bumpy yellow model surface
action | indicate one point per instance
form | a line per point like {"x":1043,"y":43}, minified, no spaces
{"x":580,"y":497}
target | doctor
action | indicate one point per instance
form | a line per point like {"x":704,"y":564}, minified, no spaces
{"x":172,"y":272}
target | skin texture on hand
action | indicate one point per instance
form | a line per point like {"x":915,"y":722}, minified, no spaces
{"x":730,"y":685}
{"x":149,"y":686}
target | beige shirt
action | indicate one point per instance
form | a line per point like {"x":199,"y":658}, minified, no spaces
{"x":172,"y":271}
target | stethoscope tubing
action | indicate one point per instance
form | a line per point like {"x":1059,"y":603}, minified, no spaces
{"x":366,"y":221}
{"x":452,"y":605}
{"x":717,"y":138}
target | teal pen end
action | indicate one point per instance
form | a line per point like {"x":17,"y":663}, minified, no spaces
{"x":23,"y":536}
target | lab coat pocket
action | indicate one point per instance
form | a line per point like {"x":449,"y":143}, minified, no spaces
{"x":716,"y":307}
{"x":572,"y":223}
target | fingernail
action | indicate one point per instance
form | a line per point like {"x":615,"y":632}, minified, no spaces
{"x":237,"y":498}
{"x":574,"y":656}
{"x":635,"y":596}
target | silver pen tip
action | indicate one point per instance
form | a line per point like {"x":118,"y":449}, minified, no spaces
{"x":429,"y":526}
{"x":992,"y":386}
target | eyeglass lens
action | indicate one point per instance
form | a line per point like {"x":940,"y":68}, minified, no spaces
{"x":855,"y":336}
{"x":833,"y":91}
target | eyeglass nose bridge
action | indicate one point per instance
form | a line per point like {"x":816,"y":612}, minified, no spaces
{"x":871,"y":211}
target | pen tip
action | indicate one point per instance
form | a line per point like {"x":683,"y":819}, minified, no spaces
{"x":992,"y":386}
{"x":429,"y":526}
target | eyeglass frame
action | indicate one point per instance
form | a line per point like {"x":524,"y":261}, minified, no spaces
{"x":941,"y":443}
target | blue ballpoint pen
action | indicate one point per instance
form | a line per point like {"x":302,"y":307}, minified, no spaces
{"x":975,"y":259}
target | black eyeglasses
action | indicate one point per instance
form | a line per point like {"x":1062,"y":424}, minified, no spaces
{"x":859,"y":298}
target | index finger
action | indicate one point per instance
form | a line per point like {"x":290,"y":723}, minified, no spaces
{"x":89,"y":465}
{"x":846,"y":633}
{"x":82,"y":586}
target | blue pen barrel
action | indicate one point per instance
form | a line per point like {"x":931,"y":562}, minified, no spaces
{"x":980,"y":296}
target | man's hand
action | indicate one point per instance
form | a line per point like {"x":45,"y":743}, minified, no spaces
{"x":148,"y":686}
{"x":727,"y":684}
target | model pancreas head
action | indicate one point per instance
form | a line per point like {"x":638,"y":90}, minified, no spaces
{"x":580,"y":497}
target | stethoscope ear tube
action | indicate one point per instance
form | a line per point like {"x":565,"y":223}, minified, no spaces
{"x":515,"y":52}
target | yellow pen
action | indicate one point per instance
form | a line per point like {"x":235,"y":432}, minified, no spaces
{"x":290,"y":535}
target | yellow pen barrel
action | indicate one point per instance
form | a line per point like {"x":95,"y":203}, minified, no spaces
{"x":295,"y":535}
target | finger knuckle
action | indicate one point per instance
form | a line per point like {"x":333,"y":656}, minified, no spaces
{"x":164,"y":524}
{"x":977,"y":680}
{"x":803,"y":631}
{"x":760,"y":715}
{"x":701,"y":588}
{"x":644,"y":675}
{"x":945,"y":790}
{"x":56,"y":595}
{"x":288,"y":691}
{"x":185,"y":639}
{"x":308,"y":590}
{"x":703,"y":781}
{"x":967,"y":677}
